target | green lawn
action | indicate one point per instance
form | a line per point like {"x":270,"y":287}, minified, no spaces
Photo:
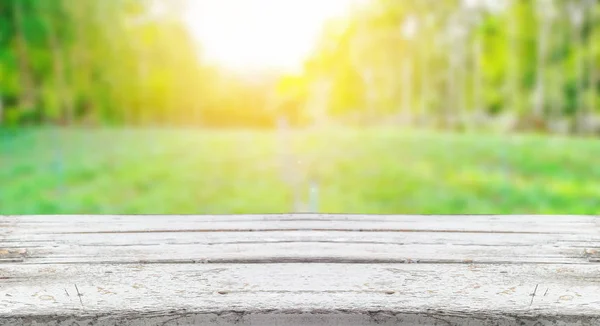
{"x":45,"y":171}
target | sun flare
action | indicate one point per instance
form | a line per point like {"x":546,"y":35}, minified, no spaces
{"x":261,"y":34}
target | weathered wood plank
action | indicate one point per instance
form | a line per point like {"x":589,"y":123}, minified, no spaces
{"x":455,"y":238}
{"x":301,"y":238}
{"x":153,"y":223}
{"x":519,"y":219}
{"x":481,"y":294}
{"x":306,"y":251}
{"x":347,"y":270}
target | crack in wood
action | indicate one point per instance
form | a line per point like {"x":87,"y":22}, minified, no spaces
{"x":533,"y":294}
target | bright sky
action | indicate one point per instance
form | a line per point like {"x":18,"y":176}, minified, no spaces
{"x":261,"y":34}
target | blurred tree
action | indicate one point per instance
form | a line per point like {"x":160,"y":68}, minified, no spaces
{"x":429,"y":62}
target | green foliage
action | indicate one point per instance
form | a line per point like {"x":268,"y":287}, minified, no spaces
{"x":508,"y":63}
{"x":113,"y":62}
{"x":99,"y":61}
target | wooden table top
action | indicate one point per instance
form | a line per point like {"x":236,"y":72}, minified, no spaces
{"x":301,"y":269}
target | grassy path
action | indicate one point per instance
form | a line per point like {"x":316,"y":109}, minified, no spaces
{"x":368,"y":171}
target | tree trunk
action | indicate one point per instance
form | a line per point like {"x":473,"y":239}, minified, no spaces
{"x":580,"y":114}
{"x":451,"y":90}
{"x":424,"y":82}
{"x":593,"y":76}
{"x":460,"y":77}
{"x":370,"y":93}
{"x":27,"y":91}
{"x":1,"y":110}
{"x":512,"y":55}
{"x":141,"y":98}
{"x":558,"y":101}
{"x":538,"y":108}
{"x":114,"y":87}
{"x":406,"y":90}
{"x":477,"y":79}
{"x":80,"y":60}
{"x":454,"y":80}
{"x":58,"y":63}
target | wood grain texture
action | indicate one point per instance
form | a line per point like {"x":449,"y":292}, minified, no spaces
{"x":299,"y":270}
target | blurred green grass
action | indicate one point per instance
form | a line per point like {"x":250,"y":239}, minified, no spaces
{"x":370,"y":171}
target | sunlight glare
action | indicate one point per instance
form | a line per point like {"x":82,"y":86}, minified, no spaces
{"x":261,"y":34}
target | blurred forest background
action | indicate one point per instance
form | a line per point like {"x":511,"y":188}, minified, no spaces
{"x":403,"y":106}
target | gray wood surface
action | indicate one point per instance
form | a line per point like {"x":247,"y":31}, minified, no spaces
{"x":300,"y":270}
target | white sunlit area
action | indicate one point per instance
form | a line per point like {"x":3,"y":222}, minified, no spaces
{"x":264,"y":106}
